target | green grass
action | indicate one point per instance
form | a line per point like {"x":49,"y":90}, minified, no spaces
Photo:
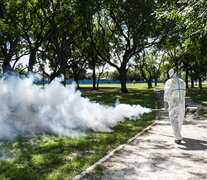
{"x":198,"y":95}
{"x":53,"y":157}
{"x":109,"y":93}
{"x":118,"y":86}
{"x":203,"y":113}
{"x":99,"y":167}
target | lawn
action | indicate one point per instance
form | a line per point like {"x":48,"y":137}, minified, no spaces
{"x":198,"y":95}
{"x":54,"y":157}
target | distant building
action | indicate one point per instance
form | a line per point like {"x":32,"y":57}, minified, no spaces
{"x":108,"y":77}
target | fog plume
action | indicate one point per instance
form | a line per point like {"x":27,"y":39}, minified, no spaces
{"x":26,"y":109}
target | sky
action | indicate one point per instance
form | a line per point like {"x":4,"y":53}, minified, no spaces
{"x":24,"y":60}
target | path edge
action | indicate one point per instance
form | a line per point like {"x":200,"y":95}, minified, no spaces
{"x":91,"y":168}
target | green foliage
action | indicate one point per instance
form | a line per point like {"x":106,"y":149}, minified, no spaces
{"x":99,"y":167}
{"x":9,"y":32}
{"x":123,"y":29}
{"x":203,"y":113}
{"x":132,"y":74}
{"x":183,"y":36}
{"x":64,"y":34}
{"x":149,"y":66}
{"x":198,"y":95}
{"x":117,"y":152}
{"x":115,"y":75}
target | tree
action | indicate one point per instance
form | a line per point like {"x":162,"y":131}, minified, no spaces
{"x":48,"y":57}
{"x":34,"y":28}
{"x":66,"y":18}
{"x":124,"y":29}
{"x":146,"y":66}
{"x":186,"y":64}
{"x":133,"y":74}
{"x":190,"y":19}
{"x":77,"y":63}
{"x":157,"y":62}
{"x":9,"y":31}
{"x":115,"y":75}
{"x":20,"y":69}
{"x":91,"y":53}
{"x":191,"y":14}
{"x":101,"y":66}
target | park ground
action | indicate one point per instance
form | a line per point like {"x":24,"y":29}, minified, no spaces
{"x":52,"y":157}
{"x":155,"y":156}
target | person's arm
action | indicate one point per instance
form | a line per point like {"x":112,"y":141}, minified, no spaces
{"x":167,"y":93}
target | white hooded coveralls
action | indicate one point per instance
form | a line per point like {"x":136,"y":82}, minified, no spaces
{"x":174,"y":95}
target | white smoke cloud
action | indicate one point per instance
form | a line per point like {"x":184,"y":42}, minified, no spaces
{"x":27,"y":109}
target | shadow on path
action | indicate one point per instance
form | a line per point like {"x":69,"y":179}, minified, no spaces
{"x":193,"y":144}
{"x":156,"y":156}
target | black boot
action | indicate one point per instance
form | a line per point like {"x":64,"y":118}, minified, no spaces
{"x":178,"y":141}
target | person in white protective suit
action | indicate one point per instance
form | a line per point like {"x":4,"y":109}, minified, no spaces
{"x":174,"y":97}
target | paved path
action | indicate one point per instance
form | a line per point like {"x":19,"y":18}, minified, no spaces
{"x":155,"y":156}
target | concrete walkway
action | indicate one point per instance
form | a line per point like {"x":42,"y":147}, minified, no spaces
{"x":155,"y":156}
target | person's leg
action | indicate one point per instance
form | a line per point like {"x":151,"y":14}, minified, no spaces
{"x":181,"y":115}
{"x":174,"y":115}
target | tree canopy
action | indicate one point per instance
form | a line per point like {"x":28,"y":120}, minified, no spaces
{"x":72,"y":36}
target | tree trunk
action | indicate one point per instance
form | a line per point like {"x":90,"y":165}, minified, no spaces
{"x":192,"y":82}
{"x":149,"y":80}
{"x":32,"y":59}
{"x":6,"y":66}
{"x":8,"y":53}
{"x":43,"y":80}
{"x":63,"y":67}
{"x":75,"y":76}
{"x":64,"y":79}
{"x":94,"y":76}
{"x":200,"y":83}
{"x":149,"y":83}
{"x":98,"y":80}
{"x":156,"y":81}
{"x":76,"y":80}
{"x":97,"y":85}
{"x":186,"y":79}
{"x":123,"y":77}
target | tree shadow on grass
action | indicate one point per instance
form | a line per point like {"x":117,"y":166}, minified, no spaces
{"x":107,"y":96}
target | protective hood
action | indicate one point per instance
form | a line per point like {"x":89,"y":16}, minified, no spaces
{"x":172,"y":72}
